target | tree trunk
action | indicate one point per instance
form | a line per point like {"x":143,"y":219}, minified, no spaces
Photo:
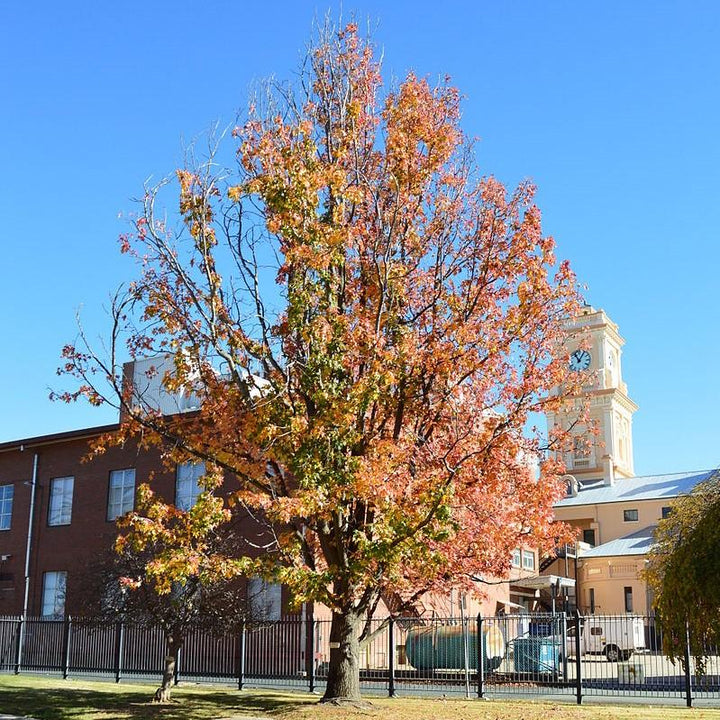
{"x":162,"y":694}
{"x":343,"y":682}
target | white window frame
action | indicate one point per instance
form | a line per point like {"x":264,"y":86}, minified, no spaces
{"x":528,"y":560}
{"x":61,"y":497}
{"x":121,"y":493}
{"x":187,"y":488}
{"x":53,"y":594}
{"x":6,"y":505}
{"x":516,"y":558}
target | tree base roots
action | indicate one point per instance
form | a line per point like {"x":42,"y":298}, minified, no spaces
{"x":162,"y":695}
{"x":357,"y":703}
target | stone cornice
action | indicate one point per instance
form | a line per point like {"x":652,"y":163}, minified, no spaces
{"x":592,"y":322}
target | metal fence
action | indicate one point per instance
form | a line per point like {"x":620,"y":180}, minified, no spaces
{"x":518,"y":654}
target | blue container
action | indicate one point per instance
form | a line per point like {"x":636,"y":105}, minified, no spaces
{"x":536,"y":655}
{"x":540,"y":628}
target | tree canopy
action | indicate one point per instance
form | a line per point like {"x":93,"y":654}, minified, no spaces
{"x":171,"y":568}
{"x":369,"y":324}
{"x":684,"y":569}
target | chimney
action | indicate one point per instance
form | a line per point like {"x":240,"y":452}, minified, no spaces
{"x":608,"y":471}
{"x":128,"y":382}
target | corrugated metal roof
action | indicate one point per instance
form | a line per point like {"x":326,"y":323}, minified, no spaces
{"x":637,"y":543}
{"x":649,"y":487}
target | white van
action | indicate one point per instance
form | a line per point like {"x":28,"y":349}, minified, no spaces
{"x":615,"y":636}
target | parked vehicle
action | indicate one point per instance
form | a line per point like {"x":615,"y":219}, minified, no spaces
{"x":616,"y":637}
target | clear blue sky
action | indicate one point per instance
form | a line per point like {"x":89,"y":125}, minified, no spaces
{"x":611,"y":107}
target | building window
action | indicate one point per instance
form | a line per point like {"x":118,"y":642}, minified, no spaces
{"x":264,"y":599}
{"x":121,"y":494}
{"x":6,"y":503}
{"x":53,"y":595}
{"x":665,"y":512}
{"x":515,"y":560}
{"x":628,"y":599}
{"x":528,"y":560}
{"x":582,"y":452}
{"x":187,"y":488}
{"x":591,"y":593}
{"x":630,"y":515}
{"x":61,"y":493}
{"x":589,"y":536}
{"x":188,"y":400}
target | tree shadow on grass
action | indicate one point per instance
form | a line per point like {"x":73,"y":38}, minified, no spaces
{"x":65,"y":702}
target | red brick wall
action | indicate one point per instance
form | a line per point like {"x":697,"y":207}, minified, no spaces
{"x":63,"y":547}
{"x":16,"y":470}
{"x":74,"y":547}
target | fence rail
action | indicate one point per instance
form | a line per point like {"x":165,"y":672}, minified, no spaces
{"x":518,"y":654}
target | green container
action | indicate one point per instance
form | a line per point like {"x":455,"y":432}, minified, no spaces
{"x":443,"y":648}
{"x":536,"y":655}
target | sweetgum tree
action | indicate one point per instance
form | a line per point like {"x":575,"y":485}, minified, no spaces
{"x":370,"y":392}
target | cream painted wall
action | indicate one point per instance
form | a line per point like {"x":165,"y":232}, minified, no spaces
{"x":607,"y":518}
{"x":610,"y":460}
{"x":609,"y":407}
{"x":608,"y":577}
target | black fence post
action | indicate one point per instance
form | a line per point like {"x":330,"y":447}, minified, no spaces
{"x":391,"y":659}
{"x":19,"y":644}
{"x":176,"y":672}
{"x":480,"y":668}
{"x":563,"y":644}
{"x":579,"y":628}
{"x":310,"y":652}
{"x":688,"y":679}
{"x":66,"y":647}
{"x":119,"y":643}
{"x":241,"y":658}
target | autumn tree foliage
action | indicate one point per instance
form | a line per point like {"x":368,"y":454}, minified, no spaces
{"x":683,"y":570}
{"x":370,"y":326}
{"x":172,"y":568}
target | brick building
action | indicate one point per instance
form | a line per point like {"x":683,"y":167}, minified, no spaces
{"x":54,"y":507}
{"x":57,"y":517}
{"x":58,"y":509}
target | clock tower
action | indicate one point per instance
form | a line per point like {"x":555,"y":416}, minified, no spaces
{"x":594,"y":348}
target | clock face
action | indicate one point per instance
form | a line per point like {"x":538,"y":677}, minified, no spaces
{"x":580,"y":360}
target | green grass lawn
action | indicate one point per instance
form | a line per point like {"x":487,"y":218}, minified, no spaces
{"x":55,"y":699}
